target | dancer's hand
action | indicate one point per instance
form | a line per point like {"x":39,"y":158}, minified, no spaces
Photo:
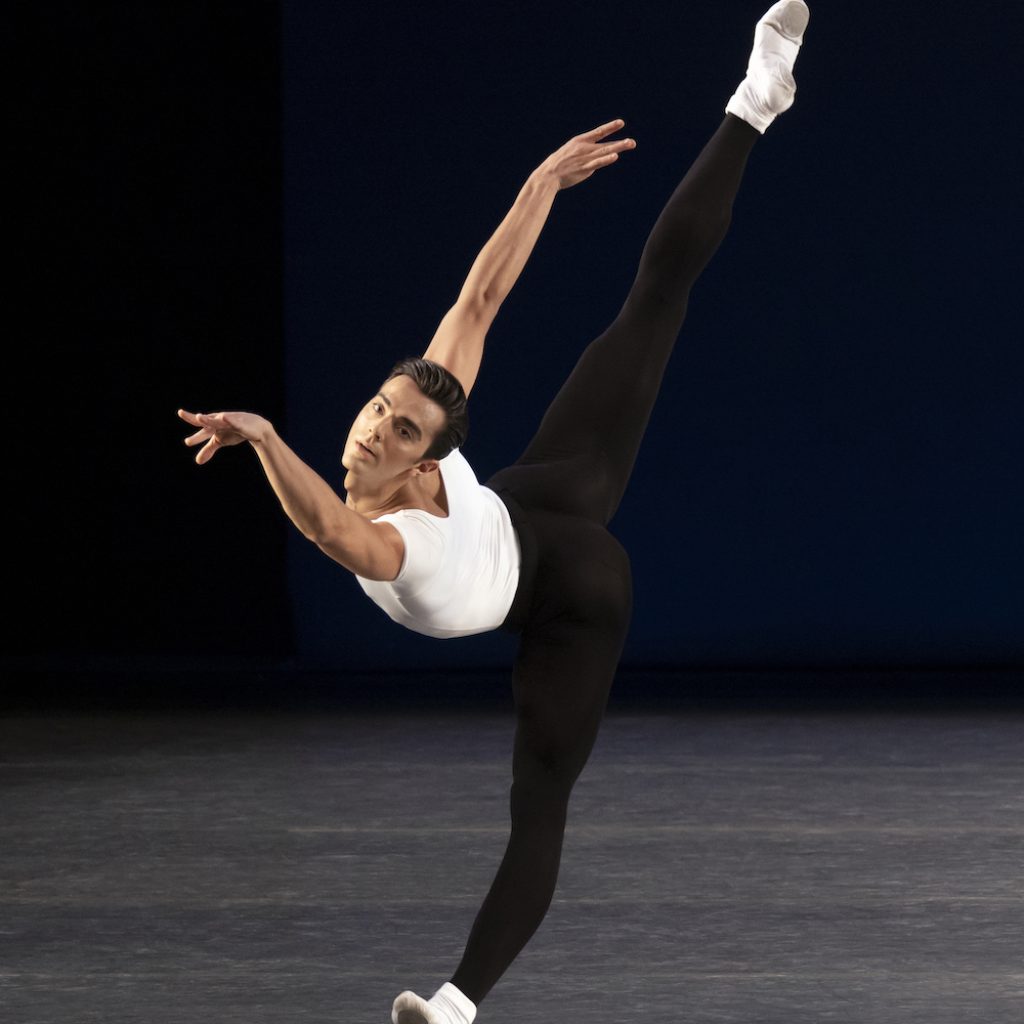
{"x":583,"y":154}
{"x":223,"y":429}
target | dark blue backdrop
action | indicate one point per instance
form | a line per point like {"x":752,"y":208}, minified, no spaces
{"x":833,"y":473}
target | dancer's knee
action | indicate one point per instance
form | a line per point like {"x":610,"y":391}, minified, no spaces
{"x":554,"y":737}
{"x":541,"y":789}
{"x":677,"y":251}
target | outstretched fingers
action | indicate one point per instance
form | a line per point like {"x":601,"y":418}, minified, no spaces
{"x":584,"y":154}
{"x":596,"y":134}
{"x":208,"y":451}
{"x":609,"y":154}
{"x":204,"y":435}
{"x":223,"y":430}
{"x":197,"y":438}
{"x":601,"y":161}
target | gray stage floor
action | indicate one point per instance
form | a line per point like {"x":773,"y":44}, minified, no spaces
{"x":718,"y":867}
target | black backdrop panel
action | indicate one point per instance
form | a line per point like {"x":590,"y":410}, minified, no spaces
{"x":153,"y":145}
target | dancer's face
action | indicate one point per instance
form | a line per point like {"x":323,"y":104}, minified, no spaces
{"x":390,"y":435}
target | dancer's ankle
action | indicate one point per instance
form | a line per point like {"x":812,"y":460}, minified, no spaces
{"x":456,"y":1005}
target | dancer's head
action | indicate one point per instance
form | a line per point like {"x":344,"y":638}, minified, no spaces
{"x":442,"y":388}
{"x":417,"y":417}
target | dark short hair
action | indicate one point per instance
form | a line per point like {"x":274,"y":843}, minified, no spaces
{"x":443,"y":387}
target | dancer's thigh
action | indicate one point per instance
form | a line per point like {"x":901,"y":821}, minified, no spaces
{"x":580,"y":459}
{"x":569,"y":649}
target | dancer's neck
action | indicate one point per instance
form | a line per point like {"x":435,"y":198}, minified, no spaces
{"x":425,"y":492}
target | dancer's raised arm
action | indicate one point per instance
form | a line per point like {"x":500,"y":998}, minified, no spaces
{"x":458,"y":343}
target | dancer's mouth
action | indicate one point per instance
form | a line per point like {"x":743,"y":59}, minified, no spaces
{"x":372,"y":455}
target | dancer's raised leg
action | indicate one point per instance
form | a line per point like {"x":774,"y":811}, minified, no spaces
{"x":581,"y":457}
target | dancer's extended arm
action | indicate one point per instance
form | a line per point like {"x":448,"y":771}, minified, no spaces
{"x":458,"y":343}
{"x":371,"y":550}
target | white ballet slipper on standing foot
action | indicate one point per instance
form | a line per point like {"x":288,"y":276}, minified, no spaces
{"x":410,"y":1008}
{"x":446,"y":1006}
{"x":769,"y":87}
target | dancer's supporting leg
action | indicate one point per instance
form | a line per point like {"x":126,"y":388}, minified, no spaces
{"x":567,"y":659}
{"x":568,"y":654}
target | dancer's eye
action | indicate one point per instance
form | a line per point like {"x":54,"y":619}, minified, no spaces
{"x":378,"y":408}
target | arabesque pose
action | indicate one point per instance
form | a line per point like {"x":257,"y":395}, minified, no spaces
{"x":530,"y":550}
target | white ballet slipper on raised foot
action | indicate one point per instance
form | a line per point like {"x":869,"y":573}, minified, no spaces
{"x":769,"y":87}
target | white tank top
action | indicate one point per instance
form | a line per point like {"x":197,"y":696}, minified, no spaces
{"x":460,"y":572}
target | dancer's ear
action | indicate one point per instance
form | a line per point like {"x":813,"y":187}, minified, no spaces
{"x":426,"y":466}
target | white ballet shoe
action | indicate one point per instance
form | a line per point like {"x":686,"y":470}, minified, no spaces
{"x":410,"y":1008}
{"x":446,"y":1006}
{"x":769,"y":88}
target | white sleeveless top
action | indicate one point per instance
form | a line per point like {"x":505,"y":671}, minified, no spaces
{"x":460,"y":572}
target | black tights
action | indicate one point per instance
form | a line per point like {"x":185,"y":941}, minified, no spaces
{"x":573,"y":605}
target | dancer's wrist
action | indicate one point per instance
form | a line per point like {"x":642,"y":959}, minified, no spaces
{"x":545,"y":180}
{"x":265,"y":435}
